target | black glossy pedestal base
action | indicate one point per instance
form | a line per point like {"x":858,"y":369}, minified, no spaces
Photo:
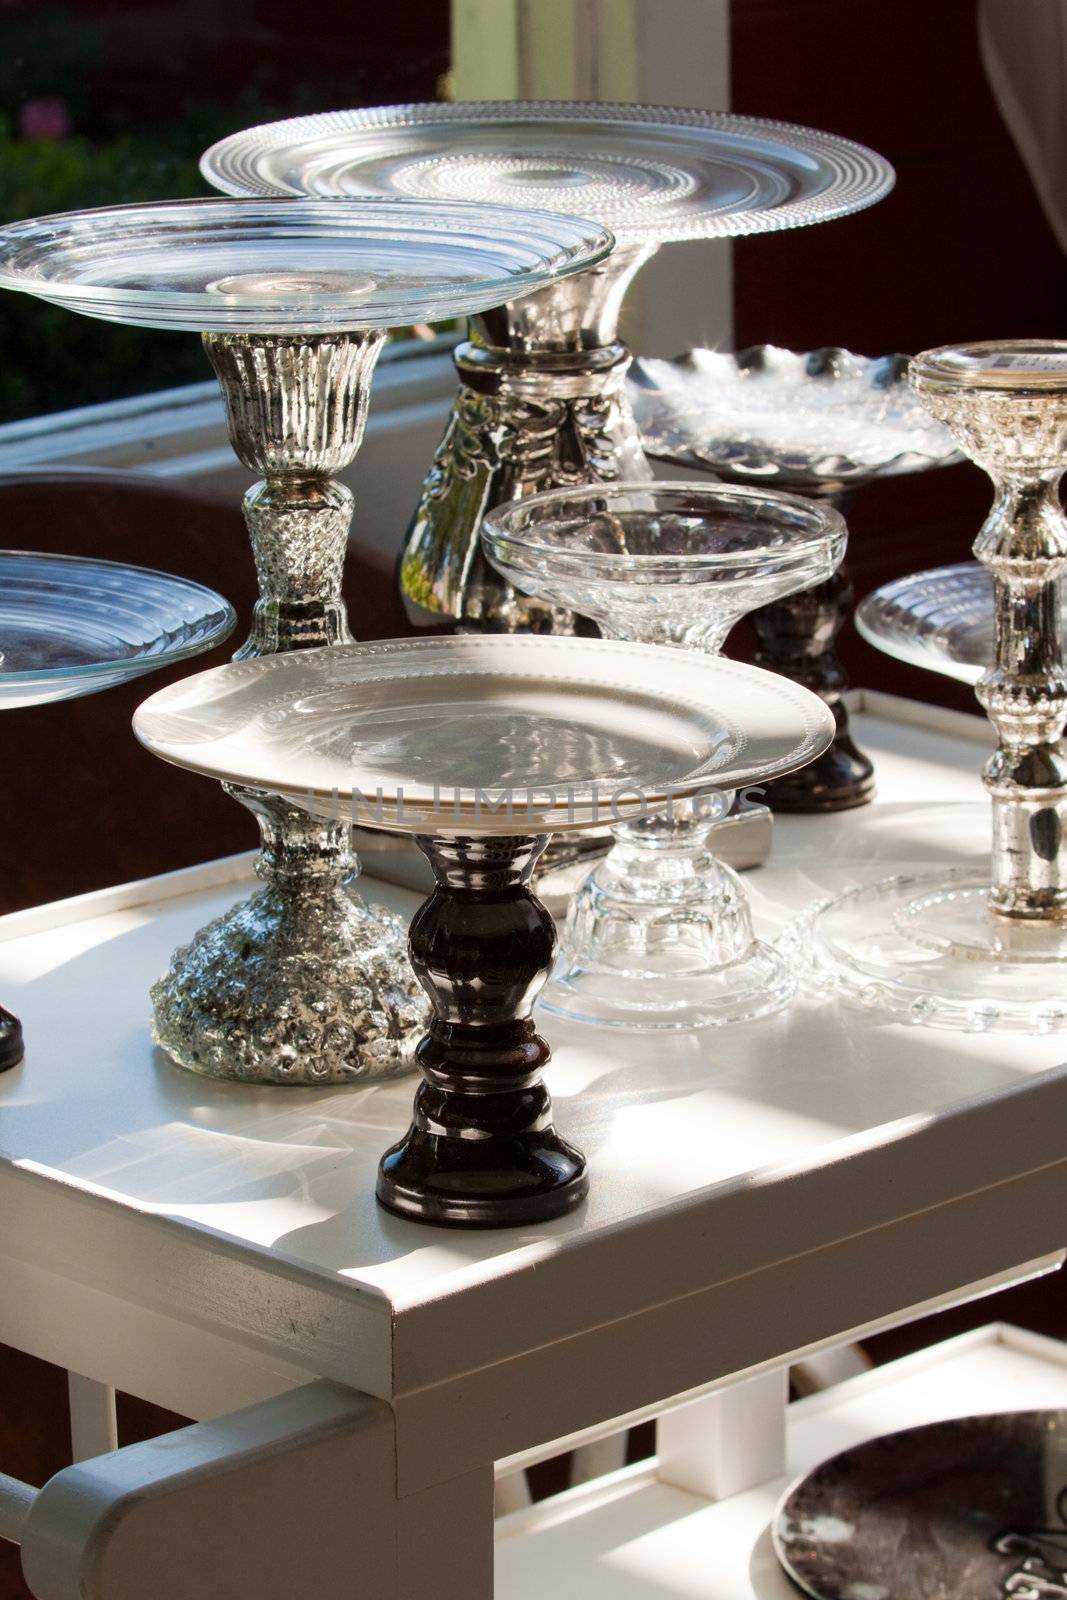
{"x":12,"y":1048}
{"x":481,"y":1151}
{"x":796,"y":638}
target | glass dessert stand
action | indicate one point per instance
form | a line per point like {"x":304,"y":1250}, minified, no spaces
{"x":821,"y":423}
{"x":985,"y":948}
{"x":660,"y":933}
{"x":71,"y":626}
{"x":480,"y":747}
{"x":541,"y":402}
{"x":302,"y":983}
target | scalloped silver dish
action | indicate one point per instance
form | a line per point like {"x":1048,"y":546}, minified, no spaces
{"x":811,"y":420}
{"x":428,"y":735}
{"x":651,"y":173}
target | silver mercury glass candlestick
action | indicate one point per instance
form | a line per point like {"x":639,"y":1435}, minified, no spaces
{"x":541,"y":403}
{"x":1007,"y":406}
{"x":983,"y":947}
{"x":302,"y":983}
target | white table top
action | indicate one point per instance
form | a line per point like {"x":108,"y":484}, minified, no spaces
{"x":711,"y":1154}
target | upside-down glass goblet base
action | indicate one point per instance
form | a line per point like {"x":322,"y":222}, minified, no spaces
{"x":927,"y":948}
{"x":660,"y":935}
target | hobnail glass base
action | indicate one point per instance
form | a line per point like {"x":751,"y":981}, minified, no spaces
{"x":291,"y":989}
{"x":655,"y":940}
{"x":926,"y":948}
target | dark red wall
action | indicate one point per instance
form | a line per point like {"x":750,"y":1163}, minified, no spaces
{"x":960,"y":250}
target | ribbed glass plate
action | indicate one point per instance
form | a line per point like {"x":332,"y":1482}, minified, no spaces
{"x":496,"y":734}
{"x":292,"y":266}
{"x":647,"y":172}
{"x":71,"y":626}
{"x":941,"y":620}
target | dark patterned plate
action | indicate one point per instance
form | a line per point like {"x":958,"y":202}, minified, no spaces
{"x":971,"y":1509}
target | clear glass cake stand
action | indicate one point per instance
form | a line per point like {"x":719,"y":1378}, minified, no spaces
{"x":660,"y":933}
{"x":71,"y":626}
{"x":984,"y":948}
{"x":541,"y":403}
{"x":302,"y":983}
{"x":819,"y":422}
{"x":479,"y":747}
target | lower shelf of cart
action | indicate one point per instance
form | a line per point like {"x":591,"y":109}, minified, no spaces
{"x":631,"y":1536}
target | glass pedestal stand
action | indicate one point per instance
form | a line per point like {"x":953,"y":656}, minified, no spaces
{"x":541,"y":403}
{"x":480,"y":747}
{"x":303,"y":983}
{"x":822,"y":423}
{"x":660,"y":934}
{"x":967,"y":948}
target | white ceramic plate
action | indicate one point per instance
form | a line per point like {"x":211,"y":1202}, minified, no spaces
{"x":494,"y":735}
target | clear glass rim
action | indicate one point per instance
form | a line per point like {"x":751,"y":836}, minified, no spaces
{"x":952,"y":367}
{"x":576,"y":243}
{"x":503,"y":530}
{"x":866,"y":176}
{"x":195,"y":647}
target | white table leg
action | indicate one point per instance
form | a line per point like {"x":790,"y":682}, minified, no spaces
{"x":729,"y":1441}
{"x":93,"y":1424}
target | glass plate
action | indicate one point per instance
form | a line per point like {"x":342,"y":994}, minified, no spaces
{"x":647,"y":172}
{"x":437,"y":734}
{"x":941,"y":620}
{"x":972,"y":1509}
{"x":270,"y":266}
{"x":811,"y":420}
{"x":70,"y":625}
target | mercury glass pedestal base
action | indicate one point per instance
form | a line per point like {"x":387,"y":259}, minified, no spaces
{"x":301,"y":983}
{"x":660,"y":936}
{"x":928,"y":948}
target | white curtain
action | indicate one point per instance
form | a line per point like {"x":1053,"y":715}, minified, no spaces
{"x":1024,"y":48}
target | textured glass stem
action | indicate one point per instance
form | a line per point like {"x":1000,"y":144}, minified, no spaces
{"x":296,"y":409}
{"x":1024,"y":544}
{"x":541,"y":405}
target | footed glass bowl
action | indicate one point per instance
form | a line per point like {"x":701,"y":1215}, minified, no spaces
{"x":660,"y":934}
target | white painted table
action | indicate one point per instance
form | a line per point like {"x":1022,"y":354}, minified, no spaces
{"x":756,"y":1193}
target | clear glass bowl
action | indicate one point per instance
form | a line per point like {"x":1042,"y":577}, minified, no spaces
{"x":650,"y":173}
{"x":292,"y":266}
{"x":70,"y":625}
{"x":660,"y":934}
